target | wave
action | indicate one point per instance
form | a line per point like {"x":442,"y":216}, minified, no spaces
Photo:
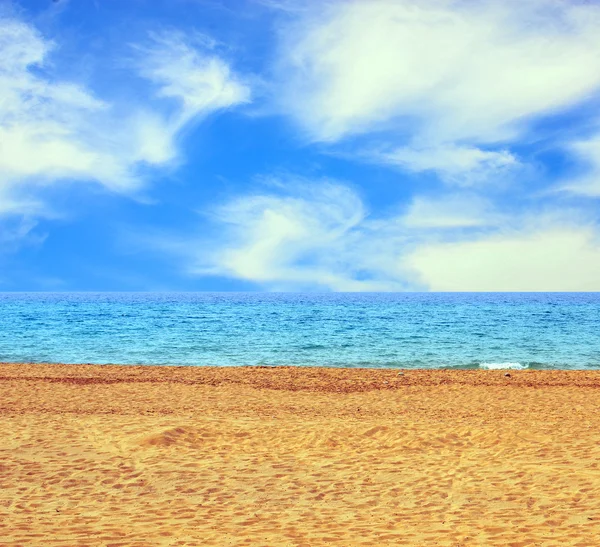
{"x":500,"y":366}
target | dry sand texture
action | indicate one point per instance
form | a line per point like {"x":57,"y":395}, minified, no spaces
{"x":148,"y":456}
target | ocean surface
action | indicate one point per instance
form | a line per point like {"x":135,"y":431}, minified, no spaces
{"x":406,"y":330}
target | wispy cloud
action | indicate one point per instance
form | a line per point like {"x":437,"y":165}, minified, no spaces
{"x":302,"y":235}
{"x":448,"y":211}
{"x":450,"y":84}
{"x":53,"y":130}
{"x":587,"y":152}
{"x":16,"y":231}
{"x":460,"y":165}
{"x":319,"y":235}
{"x":201,"y":81}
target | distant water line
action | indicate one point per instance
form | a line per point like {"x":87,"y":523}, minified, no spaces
{"x":379,"y":330}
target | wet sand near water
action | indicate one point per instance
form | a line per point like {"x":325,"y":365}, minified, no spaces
{"x":167,"y":456}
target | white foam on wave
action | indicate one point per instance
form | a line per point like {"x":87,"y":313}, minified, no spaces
{"x":499,"y":366}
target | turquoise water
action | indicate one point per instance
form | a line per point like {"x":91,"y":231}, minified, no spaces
{"x":409,"y":330}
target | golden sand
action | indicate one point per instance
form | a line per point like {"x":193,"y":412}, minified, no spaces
{"x":149,"y":456}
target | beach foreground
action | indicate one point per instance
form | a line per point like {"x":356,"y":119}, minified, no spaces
{"x":145,"y":456}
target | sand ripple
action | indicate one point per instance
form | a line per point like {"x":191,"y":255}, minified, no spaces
{"x":118,"y":457}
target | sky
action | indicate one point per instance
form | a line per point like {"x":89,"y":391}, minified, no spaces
{"x":286,"y":145}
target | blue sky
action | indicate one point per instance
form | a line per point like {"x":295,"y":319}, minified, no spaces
{"x":285,"y":145}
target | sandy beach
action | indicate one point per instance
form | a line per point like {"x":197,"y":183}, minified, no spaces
{"x":146,"y":456}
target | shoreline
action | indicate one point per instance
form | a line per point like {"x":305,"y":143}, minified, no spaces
{"x":308,"y":378}
{"x":160,"y":455}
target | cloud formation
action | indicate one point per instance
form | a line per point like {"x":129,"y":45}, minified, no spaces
{"x":587,"y":152}
{"x":310,"y":236}
{"x":460,"y":165}
{"x":447,"y":91}
{"x":555,"y":258}
{"x":450,"y":211}
{"x":54,"y":130}
{"x":200,"y":82}
{"x":319,"y":235}
{"x":445,"y":81}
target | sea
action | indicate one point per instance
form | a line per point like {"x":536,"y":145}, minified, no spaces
{"x":372,"y":330}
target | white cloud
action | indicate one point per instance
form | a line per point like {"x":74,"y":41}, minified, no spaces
{"x":38,"y":117}
{"x":461,"y":165}
{"x":203,"y":83}
{"x":558,"y":258}
{"x":588,"y":152}
{"x":315,"y":236}
{"x":53,"y":130}
{"x":440,"y":77}
{"x":318,"y":235}
{"x":16,"y":231}
{"x":450,"y":211}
